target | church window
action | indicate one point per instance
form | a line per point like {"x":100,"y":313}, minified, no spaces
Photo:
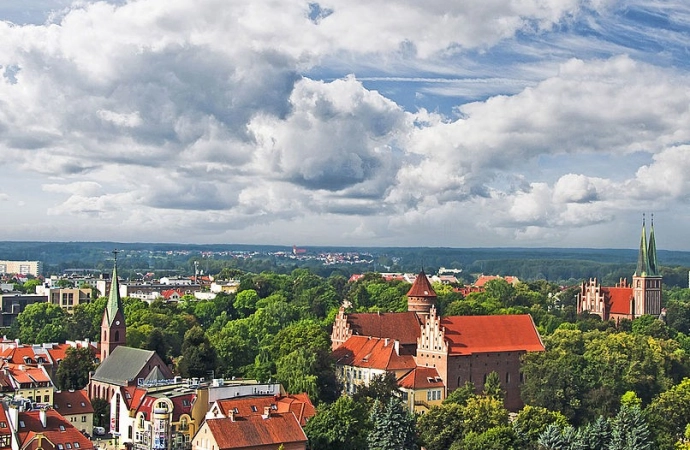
{"x":117,"y":335}
{"x":507,"y":377}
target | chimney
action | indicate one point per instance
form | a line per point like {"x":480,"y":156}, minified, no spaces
{"x":231,"y":416}
{"x":16,"y":343}
{"x":396,"y":344}
{"x":385,"y":342}
{"x":13,"y":416}
{"x":267,"y":412}
{"x":43,"y":416}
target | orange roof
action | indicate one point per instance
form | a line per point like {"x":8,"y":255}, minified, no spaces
{"x":402,"y":326}
{"x":483,"y":279}
{"x":4,"y":423}
{"x":421,"y":378}
{"x":299,"y":404}
{"x":372,"y":352}
{"x":72,"y":402}
{"x":484,"y":334}
{"x":253,"y":431}
{"x":421,"y":287}
{"x":57,"y":433}
{"x":618,"y":299}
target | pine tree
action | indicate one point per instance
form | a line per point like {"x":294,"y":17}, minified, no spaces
{"x":629,"y":430}
{"x":596,"y":435}
{"x":554,"y":438}
{"x":394,"y":427}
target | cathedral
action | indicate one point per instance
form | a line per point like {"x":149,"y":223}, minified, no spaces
{"x":626,"y":301}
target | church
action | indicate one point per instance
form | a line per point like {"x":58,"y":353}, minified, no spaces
{"x":120,"y":365}
{"x":430,"y":355}
{"x":626,"y":301}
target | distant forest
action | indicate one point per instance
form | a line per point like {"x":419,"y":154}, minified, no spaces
{"x":566,"y":266}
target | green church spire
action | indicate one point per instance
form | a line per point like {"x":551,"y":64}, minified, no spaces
{"x":651,"y":252}
{"x":114,"y":300}
{"x":642,"y":257}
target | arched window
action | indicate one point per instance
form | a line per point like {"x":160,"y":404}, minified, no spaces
{"x":117,"y":335}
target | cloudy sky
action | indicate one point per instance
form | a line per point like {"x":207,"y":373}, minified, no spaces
{"x":531,"y":123}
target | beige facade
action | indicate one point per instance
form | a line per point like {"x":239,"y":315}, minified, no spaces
{"x":22,"y":267}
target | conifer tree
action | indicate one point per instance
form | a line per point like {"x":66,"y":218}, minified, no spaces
{"x":393,"y":427}
{"x":629,"y":430}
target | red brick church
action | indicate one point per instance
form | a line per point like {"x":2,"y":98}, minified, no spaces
{"x":448,"y":350}
{"x":624,"y":300}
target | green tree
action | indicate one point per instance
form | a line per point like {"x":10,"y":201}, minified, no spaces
{"x":492,"y":386}
{"x":245,"y":302}
{"x":297,"y":371}
{"x":73,"y":371}
{"x":393,"y":427}
{"x":460,"y":395}
{"x":343,"y":425}
{"x":629,"y":430}
{"x":531,"y":421}
{"x":439,"y":428}
{"x":198,"y":356}
{"x":381,"y":388}
{"x":42,"y":322}
{"x":669,"y":414}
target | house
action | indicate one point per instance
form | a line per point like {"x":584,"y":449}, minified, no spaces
{"x":626,"y":301}
{"x":46,"y":429}
{"x":483,"y":279}
{"x":76,"y":408}
{"x":299,"y":404}
{"x":270,"y":430}
{"x":29,"y":382}
{"x":421,"y":389}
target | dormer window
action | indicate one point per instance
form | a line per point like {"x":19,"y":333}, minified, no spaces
{"x":69,"y":405}
{"x":62,"y":428}
{"x":68,"y":445}
{"x":60,"y":447}
{"x":22,"y":424}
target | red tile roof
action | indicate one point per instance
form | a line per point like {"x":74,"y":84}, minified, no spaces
{"x":618,"y":299}
{"x":58,"y":432}
{"x":371,"y":352}
{"x":483,"y":279}
{"x":4,"y":423}
{"x":299,"y":404}
{"x":421,"y":378}
{"x":254,"y":430}
{"x":421,"y":287}
{"x":402,"y":326}
{"x":484,"y":334}
{"x":72,"y":402}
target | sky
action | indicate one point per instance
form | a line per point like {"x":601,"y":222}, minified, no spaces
{"x":493,"y":123}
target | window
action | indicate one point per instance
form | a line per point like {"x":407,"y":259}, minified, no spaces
{"x":3,"y":424}
{"x":60,"y":447}
{"x":46,"y":398}
{"x":507,"y":377}
{"x":254,"y":409}
{"x":22,"y":424}
{"x":76,"y":445}
{"x":68,"y":445}
{"x":5,"y":440}
{"x":62,"y":428}
{"x":83,"y":418}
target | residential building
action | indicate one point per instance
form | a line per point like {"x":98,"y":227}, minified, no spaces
{"x":76,"y":408}
{"x":421,"y":389}
{"x":45,"y":429}
{"x":66,"y":298}
{"x":11,"y":305}
{"x":29,"y":382}
{"x":299,"y":404}
{"x":34,"y":268}
{"x":269,"y":431}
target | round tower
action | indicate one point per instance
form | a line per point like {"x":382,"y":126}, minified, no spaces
{"x":421,"y":296}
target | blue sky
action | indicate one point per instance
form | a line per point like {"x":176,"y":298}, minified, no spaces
{"x":525,"y":123}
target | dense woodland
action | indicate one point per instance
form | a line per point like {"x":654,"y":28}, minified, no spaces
{"x":597,"y":386}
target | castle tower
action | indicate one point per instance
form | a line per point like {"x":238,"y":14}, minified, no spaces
{"x":421,"y":296}
{"x":113,"y":329}
{"x":647,"y":280}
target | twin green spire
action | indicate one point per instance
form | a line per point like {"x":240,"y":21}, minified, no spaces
{"x":646,"y":260}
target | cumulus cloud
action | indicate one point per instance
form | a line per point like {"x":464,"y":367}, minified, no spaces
{"x":210,"y":115}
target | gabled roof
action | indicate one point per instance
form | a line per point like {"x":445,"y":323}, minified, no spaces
{"x":299,"y":404}
{"x":58,"y":432}
{"x":373,"y":353}
{"x":254,"y":431}
{"x":421,"y":287}
{"x":618,"y":299}
{"x":484,"y":334}
{"x":401,"y":326}
{"x":421,"y":378}
{"x":124,"y":364}
{"x":4,"y":423}
{"x":72,"y":402}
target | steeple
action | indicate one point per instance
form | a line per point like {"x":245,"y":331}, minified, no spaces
{"x":113,"y":329}
{"x":642,"y":257}
{"x":114,"y":301}
{"x":651,"y":252}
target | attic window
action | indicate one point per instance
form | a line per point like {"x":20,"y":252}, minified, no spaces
{"x":3,"y":424}
{"x":76,"y":445}
{"x":83,"y":404}
{"x":274,"y":406}
{"x":69,"y":405}
{"x":185,"y":402}
{"x":62,"y":428}
{"x":21,"y":424}
{"x":235,"y":410}
{"x":60,"y":447}
{"x":68,"y":445}
{"x":254,"y":408}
